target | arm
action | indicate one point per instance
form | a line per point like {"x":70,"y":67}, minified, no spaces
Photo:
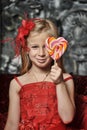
{"x":65,"y":94}
{"x":14,"y":107}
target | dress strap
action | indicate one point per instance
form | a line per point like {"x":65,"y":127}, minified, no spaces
{"x":18,"y":81}
{"x":68,"y":78}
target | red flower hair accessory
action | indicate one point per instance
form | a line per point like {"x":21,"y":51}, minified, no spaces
{"x":23,"y":32}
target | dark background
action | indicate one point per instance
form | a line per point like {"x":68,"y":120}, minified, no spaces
{"x":69,"y":15}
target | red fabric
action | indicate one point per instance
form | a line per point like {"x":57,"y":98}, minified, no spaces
{"x":80,"y":84}
{"x":79,"y":122}
{"x":81,"y":112}
{"x":39,"y":107}
{"x":68,"y":78}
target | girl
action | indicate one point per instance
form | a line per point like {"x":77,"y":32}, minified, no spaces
{"x":42,"y":98}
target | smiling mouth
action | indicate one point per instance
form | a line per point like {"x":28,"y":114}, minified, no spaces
{"x":41,"y":60}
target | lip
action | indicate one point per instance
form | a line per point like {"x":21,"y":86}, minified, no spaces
{"x":41,"y":60}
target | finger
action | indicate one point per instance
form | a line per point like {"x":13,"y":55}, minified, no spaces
{"x":55,"y":67}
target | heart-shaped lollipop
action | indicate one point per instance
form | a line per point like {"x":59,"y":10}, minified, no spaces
{"x":56,"y":47}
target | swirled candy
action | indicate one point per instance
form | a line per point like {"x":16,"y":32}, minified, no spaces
{"x":56,"y":47}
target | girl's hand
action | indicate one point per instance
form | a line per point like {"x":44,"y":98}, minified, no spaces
{"x":56,"y":74}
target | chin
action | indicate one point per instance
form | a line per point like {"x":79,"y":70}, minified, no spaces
{"x":41,"y":65}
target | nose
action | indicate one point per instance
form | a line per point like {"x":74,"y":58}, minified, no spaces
{"x":42,"y":51}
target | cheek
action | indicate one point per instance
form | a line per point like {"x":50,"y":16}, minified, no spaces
{"x":31,"y":56}
{"x":32,"y":53}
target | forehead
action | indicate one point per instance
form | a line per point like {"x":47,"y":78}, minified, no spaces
{"x":37,"y":37}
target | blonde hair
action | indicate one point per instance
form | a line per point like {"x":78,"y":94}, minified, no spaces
{"x":41,"y":25}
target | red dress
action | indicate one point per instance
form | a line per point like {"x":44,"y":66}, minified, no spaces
{"x":38,"y":107}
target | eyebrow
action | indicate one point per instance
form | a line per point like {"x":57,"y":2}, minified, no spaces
{"x":32,"y":44}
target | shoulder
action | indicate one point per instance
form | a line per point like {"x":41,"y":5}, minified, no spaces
{"x":67,"y":76}
{"x":68,"y":80}
{"x":19,"y":81}
{"x":24,"y":79}
{"x":14,"y":84}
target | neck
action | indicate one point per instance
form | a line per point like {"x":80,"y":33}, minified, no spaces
{"x":40,"y":70}
{"x":39,"y":74}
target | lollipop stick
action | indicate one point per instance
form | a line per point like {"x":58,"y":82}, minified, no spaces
{"x":54,"y":61}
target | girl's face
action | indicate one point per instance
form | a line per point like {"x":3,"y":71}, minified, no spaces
{"x":38,"y":53}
